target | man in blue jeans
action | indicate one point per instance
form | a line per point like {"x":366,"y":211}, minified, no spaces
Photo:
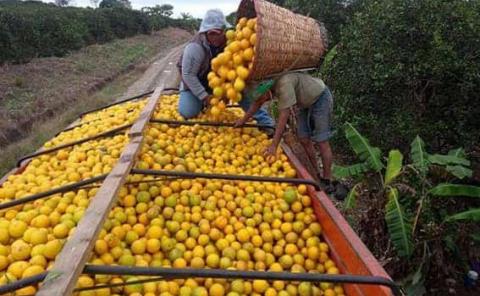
{"x":314,"y":103}
{"x":194,"y":67}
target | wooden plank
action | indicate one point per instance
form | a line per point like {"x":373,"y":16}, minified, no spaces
{"x":76,"y":252}
{"x":147,"y":112}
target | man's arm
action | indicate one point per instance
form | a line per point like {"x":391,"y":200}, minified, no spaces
{"x":282,"y":123}
{"x":253,"y":109}
{"x":191,"y":62}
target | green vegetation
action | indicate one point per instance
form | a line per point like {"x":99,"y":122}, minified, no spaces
{"x":410,"y":67}
{"x":403,"y":68}
{"x":33,"y":29}
{"x":424,"y":195}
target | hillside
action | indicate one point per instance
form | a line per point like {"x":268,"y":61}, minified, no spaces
{"x":40,"y":90}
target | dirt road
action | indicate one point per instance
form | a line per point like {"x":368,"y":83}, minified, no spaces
{"x":162,"y":69}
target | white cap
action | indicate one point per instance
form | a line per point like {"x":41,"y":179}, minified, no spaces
{"x":214,"y":19}
{"x":473,"y":275}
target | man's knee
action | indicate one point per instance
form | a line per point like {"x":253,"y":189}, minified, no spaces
{"x":323,"y":144}
{"x":187,"y":112}
{"x":189,"y":106}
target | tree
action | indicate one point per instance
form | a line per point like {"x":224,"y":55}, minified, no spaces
{"x":115,"y":4}
{"x":159,"y":10}
{"x":165,"y":9}
{"x":94,"y":3}
{"x":333,"y":13}
{"x":404,"y":68}
{"x":186,"y":16}
{"x":159,"y":16}
{"x":188,"y":22}
{"x":62,"y":2}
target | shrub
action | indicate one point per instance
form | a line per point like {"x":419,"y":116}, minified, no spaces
{"x":30,"y":29}
{"x":404,"y":68}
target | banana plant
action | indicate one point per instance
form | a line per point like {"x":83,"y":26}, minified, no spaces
{"x":401,"y":226}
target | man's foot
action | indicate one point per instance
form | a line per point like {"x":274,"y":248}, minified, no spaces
{"x":327,"y":186}
{"x":341,"y":191}
{"x":334,"y":188}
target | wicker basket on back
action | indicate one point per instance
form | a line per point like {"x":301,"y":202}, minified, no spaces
{"x":285,"y":40}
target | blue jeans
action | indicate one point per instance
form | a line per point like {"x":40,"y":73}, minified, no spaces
{"x":190,"y":106}
{"x":315,"y":122}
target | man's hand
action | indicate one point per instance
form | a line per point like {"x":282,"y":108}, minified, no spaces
{"x":270,"y":152}
{"x":240,"y":122}
{"x":206,"y":101}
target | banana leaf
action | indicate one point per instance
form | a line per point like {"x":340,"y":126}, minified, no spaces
{"x":363,"y":149}
{"x":349,"y":171}
{"x":351,"y":200}
{"x":398,"y":224}
{"x":473,"y":215}
{"x":447,"y":189}
{"x":419,"y":155}
{"x":459,"y":171}
{"x":394,"y":166}
{"x":448,"y":160}
{"x":459,"y":152}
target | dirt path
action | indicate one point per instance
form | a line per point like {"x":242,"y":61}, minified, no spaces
{"x":162,"y":69}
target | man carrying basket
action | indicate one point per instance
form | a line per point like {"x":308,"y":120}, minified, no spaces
{"x":314,"y":103}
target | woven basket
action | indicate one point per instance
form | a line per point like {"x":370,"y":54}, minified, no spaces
{"x":285,"y":40}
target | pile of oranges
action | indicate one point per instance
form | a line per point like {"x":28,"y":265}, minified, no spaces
{"x":232,"y":67}
{"x":201,"y":223}
{"x":182,"y":223}
{"x":31,"y":235}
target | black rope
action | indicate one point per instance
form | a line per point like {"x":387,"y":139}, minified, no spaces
{"x":140,"y":182}
{"x":227,"y":177}
{"x":126,"y":100}
{"x":59,"y":147}
{"x":62,"y":189}
{"x":182,"y":273}
{"x":170,"y":89}
{"x":117,"y":103}
{"x":143,"y":281}
{"x":25,"y":282}
{"x":206,"y":123}
{"x":234,"y":106}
